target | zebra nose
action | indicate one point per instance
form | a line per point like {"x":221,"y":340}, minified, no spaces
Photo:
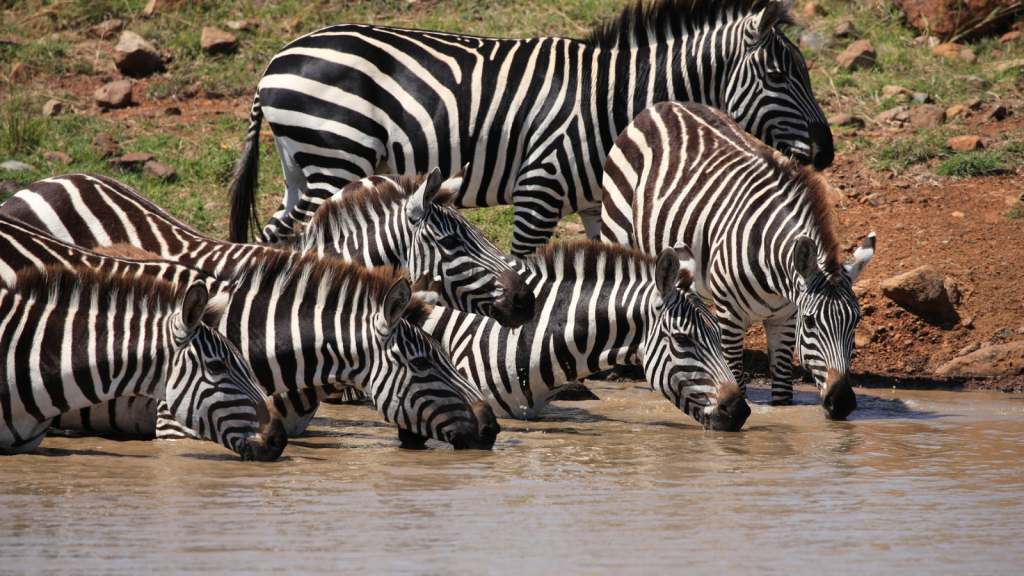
{"x":487,"y":425}
{"x":838,"y":401}
{"x":268,"y":445}
{"x":732,"y":410}
{"x":822,"y":148}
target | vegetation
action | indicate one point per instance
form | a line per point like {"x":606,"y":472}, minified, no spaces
{"x":978,"y":163}
{"x":1016,"y":211}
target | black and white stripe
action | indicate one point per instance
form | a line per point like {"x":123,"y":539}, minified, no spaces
{"x":762,"y":233}
{"x":535,"y":118}
{"x":76,"y":338}
{"x":599,"y":306}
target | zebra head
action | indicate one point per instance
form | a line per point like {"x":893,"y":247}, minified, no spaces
{"x":827,"y":315}
{"x":450,"y":256}
{"x":415,"y":385}
{"x":683,"y":349}
{"x":212,"y":390}
{"x":769,"y":94}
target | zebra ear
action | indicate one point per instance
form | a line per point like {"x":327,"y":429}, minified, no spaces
{"x":194,"y":305}
{"x":424,"y":195}
{"x":687,"y":266}
{"x":805,"y":257}
{"x":451,"y":187}
{"x":861,"y":257}
{"x":770,"y":16}
{"x":396,"y":300}
{"x":666,"y":271}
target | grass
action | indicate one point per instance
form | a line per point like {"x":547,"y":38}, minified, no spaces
{"x":969,"y":164}
{"x":21,"y":130}
{"x":1016,"y":211}
{"x":921,"y":147}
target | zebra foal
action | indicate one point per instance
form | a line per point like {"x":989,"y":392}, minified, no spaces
{"x":76,"y":338}
{"x":535,"y":118}
{"x":763,"y":239}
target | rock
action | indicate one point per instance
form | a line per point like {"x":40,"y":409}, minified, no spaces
{"x":967,"y":322}
{"x":1019,"y":330}
{"x":846,"y":29}
{"x":926,"y":116}
{"x":106,"y":28}
{"x":860,"y":54}
{"x":890,"y":115}
{"x":1003,"y":334}
{"x":864,"y":334}
{"x":921,"y":98}
{"x":114,"y":95}
{"x":957,"y":214}
{"x":214,"y":40}
{"x":52,"y":107}
{"x":859,"y":291}
{"x":952,"y":291}
{"x":1008,"y":65}
{"x":967,"y":55}
{"x":877,"y":199}
{"x":957,"y":111}
{"x":951,"y":51}
{"x":9,"y":186}
{"x":242,"y":24}
{"x":105,"y":146}
{"x":995,"y":112}
{"x":812,"y":41}
{"x":575,"y":392}
{"x":19,"y":73}
{"x":130,"y":161}
{"x":16,"y":166}
{"x":965,"y":143}
{"x":154,"y":6}
{"x":946,"y":18}
{"x":812,"y":9}
{"x":173,"y":111}
{"x":975,"y":82}
{"x":920,"y":290}
{"x":1014,"y":36}
{"x":973,"y":104}
{"x":159,"y":170}
{"x":59,"y":157}
{"x":133,"y":56}
{"x":968,"y":349}
{"x":846,"y":120}
{"x":998,"y":360}
{"x":896,"y":92}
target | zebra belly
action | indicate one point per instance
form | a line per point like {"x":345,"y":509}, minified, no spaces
{"x":132,"y":415}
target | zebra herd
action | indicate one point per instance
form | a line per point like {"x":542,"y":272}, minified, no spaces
{"x":367,"y":283}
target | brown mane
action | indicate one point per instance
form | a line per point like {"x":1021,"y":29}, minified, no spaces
{"x":57,"y":285}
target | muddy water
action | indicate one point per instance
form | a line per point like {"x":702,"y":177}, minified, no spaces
{"x":916,"y":482}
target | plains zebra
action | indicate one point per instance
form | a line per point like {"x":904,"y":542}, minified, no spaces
{"x":388,"y":221}
{"x":762,"y":231}
{"x":598,"y":306}
{"x":311,"y":326}
{"x":534,"y":117}
{"x":75,"y":338}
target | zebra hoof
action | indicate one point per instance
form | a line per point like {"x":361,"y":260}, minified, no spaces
{"x":411,"y":440}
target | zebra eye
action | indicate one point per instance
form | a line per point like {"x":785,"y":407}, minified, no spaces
{"x":809,"y":321}
{"x":450,"y":242}
{"x":216,"y":367}
{"x":776,"y":77}
{"x":420,"y":363}
{"x":682,"y":339}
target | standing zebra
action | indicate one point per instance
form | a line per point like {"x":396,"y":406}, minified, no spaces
{"x":763,"y":236}
{"x":534,"y":117}
{"x":310,"y":326}
{"x":75,"y":338}
{"x":599,"y":306}
{"x":387,"y":221}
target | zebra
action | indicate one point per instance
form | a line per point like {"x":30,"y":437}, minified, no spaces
{"x":762,"y":233}
{"x":77,"y":337}
{"x":310,"y":326}
{"x":382,"y":221}
{"x":534,"y":117}
{"x":599,"y":305}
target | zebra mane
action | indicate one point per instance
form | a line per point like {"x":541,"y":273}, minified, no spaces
{"x":662,"y":15}
{"x":58,"y":286}
{"x":547,"y":257}
{"x":416,"y":312}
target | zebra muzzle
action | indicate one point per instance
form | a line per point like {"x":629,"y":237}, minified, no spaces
{"x":268,"y":445}
{"x":838,"y":399}
{"x":732,"y":410}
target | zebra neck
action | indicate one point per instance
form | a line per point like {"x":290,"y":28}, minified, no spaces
{"x":363,"y":236}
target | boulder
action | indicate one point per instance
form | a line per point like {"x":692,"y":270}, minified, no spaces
{"x":995,"y":112}
{"x":106,"y":28}
{"x":951,"y":51}
{"x":946,"y":18}
{"x":58,"y":157}
{"x":890,"y":115}
{"x":214,"y":40}
{"x":846,"y":29}
{"x":813,"y":41}
{"x":105,"y":146}
{"x":133,"y":56}
{"x":846,"y":120}
{"x":952,"y":291}
{"x":159,"y":171}
{"x":998,"y":360}
{"x":864,"y":334}
{"x":52,"y":107}
{"x":860,"y":54}
{"x":957,"y":111}
{"x":877,"y":199}
{"x":16,"y":166}
{"x":130,"y":161}
{"x":965,"y":143}
{"x":114,"y":94}
{"x":919,"y":290}
{"x":926,"y":116}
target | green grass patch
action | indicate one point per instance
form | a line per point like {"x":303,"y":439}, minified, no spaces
{"x":921,"y":147}
{"x":969,"y":164}
{"x":21,"y":129}
{"x":1016,"y":211}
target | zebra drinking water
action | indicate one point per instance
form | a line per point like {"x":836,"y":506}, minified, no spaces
{"x":73,"y":338}
{"x":762,"y":234}
{"x":534,"y":117}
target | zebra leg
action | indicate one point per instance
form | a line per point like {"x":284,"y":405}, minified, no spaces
{"x":734,"y":329}
{"x":780,"y":331}
{"x":591,"y":218}
{"x":533,"y":227}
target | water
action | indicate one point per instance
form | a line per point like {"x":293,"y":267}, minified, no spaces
{"x":917,"y":482}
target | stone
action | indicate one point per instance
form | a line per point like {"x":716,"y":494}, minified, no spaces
{"x":159,"y":171}
{"x":173,"y":111}
{"x":846,"y":120}
{"x":864,"y":334}
{"x":19,"y":73}
{"x":575,"y":392}
{"x":214,"y":40}
{"x":16,"y":166}
{"x":860,"y":292}
{"x":957,"y":111}
{"x":951,"y":51}
{"x":995,"y":112}
{"x":975,"y":82}
{"x":965,"y":143}
{"x":967,"y":322}
{"x":957,"y":214}
{"x":860,"y":54}
{"x":1013,"y":36}
{"x":154,"y":6}
{"x":812,"y":41}
{"x":59,"y":157}
{"x":133,"y":56}
{"x":9,"y":186}
{"x":846,"y":29}
{"x":947,"y":18}
{"x":974,"y":104}
{"x":968,"y":349}
{"x":890,"y":115}
{"x":130,"y":161}
{"x":242,"y":24}
{"x":106,"y":28}
{"x":114,"y":95}
{"x":952,"y":291}
{"x":922,"y":98}
{"x":52,"y":107}
{"x":896,"y":92}
{"x":1003,"y":334}
{"x":967,"y":55}
{"x":919,"y":290}
{"x":812,"y":9}
{"x":877,"y":199}
{"x":1009,"y":65}
{"x":1019,"y":330}
{"x":105,"y":146}
{"x":926,"y":116}
{"x":997,"y":360}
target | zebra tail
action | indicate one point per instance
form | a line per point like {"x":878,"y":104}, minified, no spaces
{"x":244,"y":216}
